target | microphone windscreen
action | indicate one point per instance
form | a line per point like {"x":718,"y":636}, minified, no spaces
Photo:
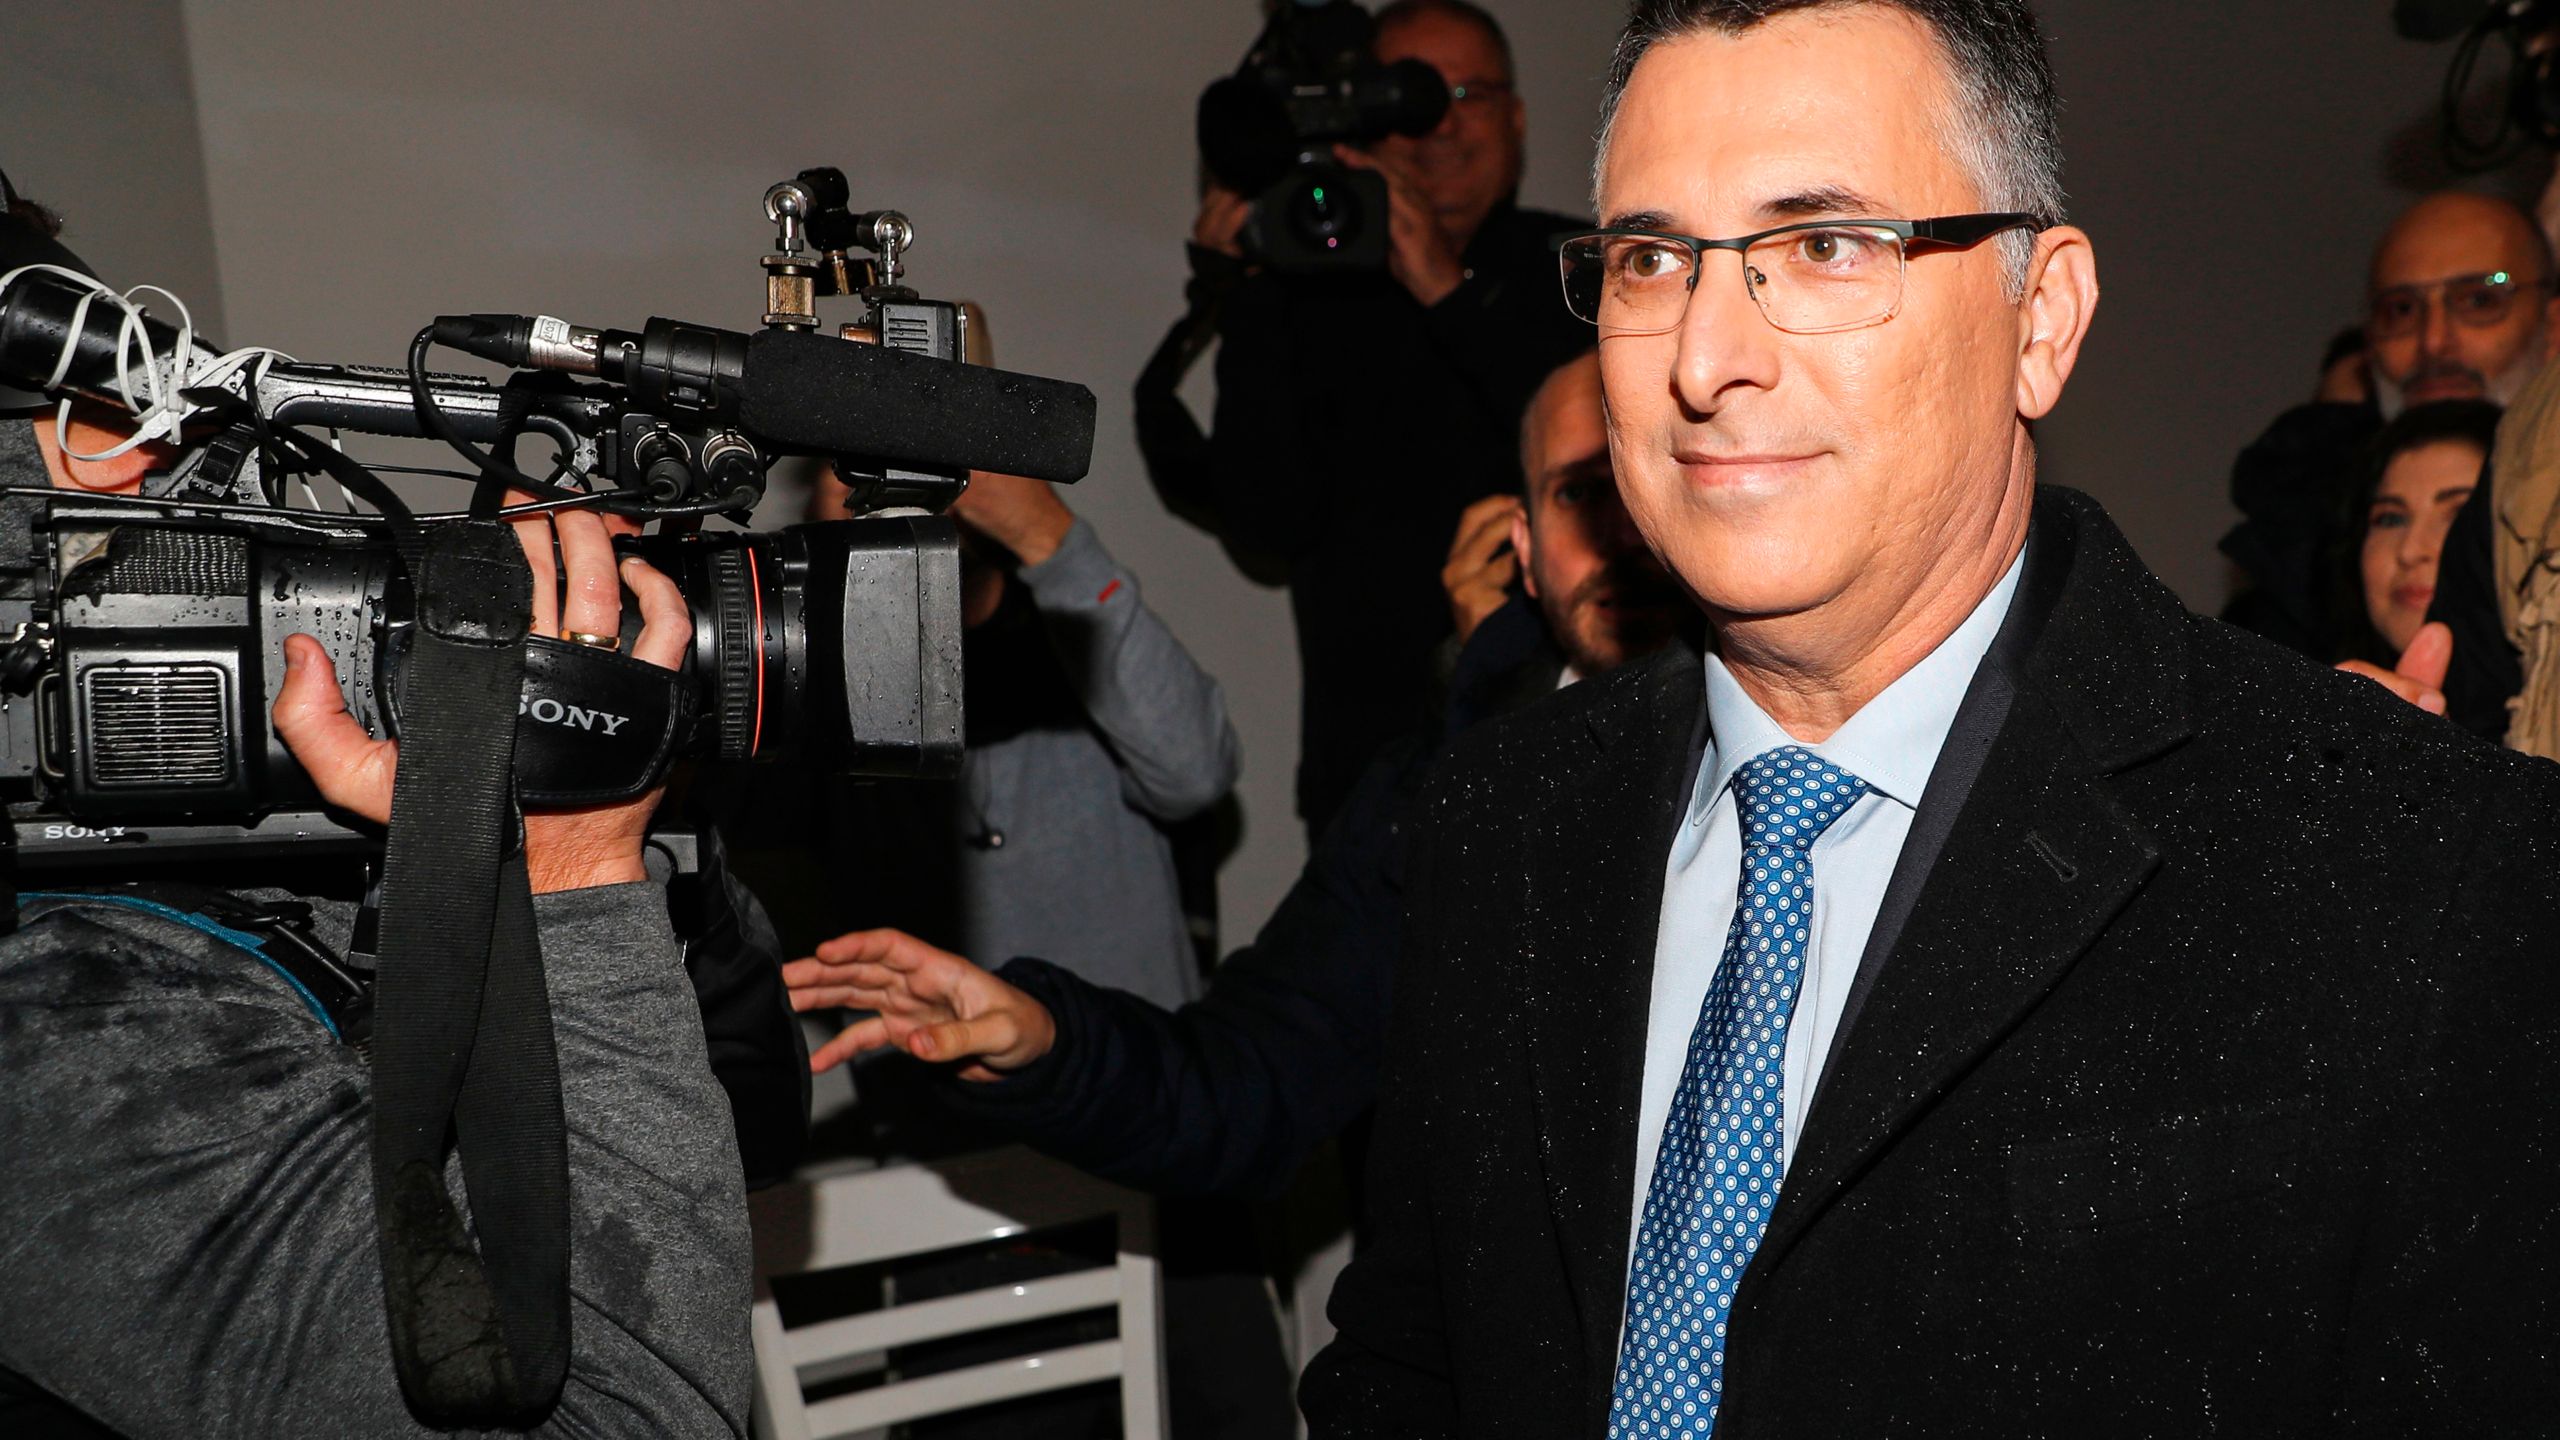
{"x":35,"y":326}
{"x":2433,"y":20}
{"x":839,"y":397}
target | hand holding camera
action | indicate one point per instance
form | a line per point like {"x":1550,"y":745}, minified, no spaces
{"x":1220,"y":224}
{"x":1419,"y":254}
{"x":579,"y":594}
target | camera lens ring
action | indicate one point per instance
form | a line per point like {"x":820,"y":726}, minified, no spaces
{"x":738,"y":650}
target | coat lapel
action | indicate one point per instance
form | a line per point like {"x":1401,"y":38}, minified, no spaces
{"x":1595,"y":874}
{"x":2038,"y":862}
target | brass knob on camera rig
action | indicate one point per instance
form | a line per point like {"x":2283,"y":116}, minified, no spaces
{"x":811,"y":211}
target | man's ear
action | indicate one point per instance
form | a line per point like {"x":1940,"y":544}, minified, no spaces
{"x":2054,"y":316}
{"x":1520,"y":542}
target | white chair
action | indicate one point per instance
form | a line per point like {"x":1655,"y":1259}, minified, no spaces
{"x":861,"y":1218}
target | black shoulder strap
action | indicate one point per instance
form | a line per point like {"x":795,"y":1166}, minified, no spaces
{"x":462,"y":1046}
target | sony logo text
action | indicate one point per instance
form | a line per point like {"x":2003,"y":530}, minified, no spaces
{"x":547,"y":711}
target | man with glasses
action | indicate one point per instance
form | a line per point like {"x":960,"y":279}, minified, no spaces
{"x":1975,"y":996}
{"x":2461,"y":306}
{"x":1359,"y":415}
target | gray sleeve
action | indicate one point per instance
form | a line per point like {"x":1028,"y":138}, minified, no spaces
{"x":186,"y":1203}
{"x":1165,"y":719}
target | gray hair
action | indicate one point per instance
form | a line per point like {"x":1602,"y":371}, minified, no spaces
{"x":2003,"y":81}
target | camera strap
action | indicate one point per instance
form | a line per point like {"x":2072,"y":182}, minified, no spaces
{"x":462,"y":1044}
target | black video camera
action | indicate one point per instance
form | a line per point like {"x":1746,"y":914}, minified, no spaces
{"x":140,"y":636}
{"x":1267,"y":131}
{"x":2527,"y":32}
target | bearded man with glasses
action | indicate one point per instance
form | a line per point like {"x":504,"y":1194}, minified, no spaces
{"x":2460,"y":306}
{"x":1975,"y":996}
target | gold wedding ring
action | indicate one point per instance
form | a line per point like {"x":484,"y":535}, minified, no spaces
{"x":600,"y":642}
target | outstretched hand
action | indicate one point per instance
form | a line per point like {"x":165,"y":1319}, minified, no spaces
{"x":2419,"y":677}
{"x":932,"y":1004}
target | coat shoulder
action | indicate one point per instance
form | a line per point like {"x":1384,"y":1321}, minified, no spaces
{"x":2253,"y":694}
{"x":2457,"y":838}
{"x":1540,"y":753}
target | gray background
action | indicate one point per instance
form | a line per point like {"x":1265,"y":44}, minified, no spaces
{"x":322,"y":177}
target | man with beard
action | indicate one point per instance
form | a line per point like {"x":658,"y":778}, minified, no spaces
{"x":2461,"y":307}
{"x":1229,"y":1094}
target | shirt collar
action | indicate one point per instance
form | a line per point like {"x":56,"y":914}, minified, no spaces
{"x":1892,"y":743}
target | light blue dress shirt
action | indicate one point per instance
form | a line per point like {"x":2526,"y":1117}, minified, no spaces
{"x":1892,"y":744}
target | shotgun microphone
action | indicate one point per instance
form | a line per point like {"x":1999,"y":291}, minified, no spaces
{"x":813,"y":394}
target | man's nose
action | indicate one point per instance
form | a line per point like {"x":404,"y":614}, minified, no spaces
{"x":1723,"y":338}
{"x":2436,"y":333}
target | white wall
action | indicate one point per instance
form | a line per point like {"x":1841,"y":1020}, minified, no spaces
{"x":98,"y":121}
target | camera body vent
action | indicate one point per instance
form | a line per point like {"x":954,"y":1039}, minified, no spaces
{"x":157,"y":726}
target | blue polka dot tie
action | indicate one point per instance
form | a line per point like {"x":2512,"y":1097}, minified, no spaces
{"x":1716,"y":1178}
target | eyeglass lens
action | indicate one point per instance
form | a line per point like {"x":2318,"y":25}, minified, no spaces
{"x":1806,"y":281}
{"x":2472,"y":300}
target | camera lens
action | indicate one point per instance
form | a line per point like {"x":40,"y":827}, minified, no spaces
{"x":750,"y":637}
{"x":1326,"y":213}
{"x":796,"y":642}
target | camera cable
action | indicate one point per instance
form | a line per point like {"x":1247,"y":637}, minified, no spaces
{"x":496,"y":475}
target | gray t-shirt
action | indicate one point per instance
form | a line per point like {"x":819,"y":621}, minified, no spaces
{"x":187,"y":1237}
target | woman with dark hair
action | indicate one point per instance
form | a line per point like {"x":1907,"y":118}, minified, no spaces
{"x":2425,"y":464}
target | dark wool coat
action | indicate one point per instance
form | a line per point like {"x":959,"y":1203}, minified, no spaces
{"x":2202,"y":1076}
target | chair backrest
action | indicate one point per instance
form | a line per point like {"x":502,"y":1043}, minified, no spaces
{"x":826,"y":1221}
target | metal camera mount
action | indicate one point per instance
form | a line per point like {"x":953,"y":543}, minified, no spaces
{"x":810,"y":211}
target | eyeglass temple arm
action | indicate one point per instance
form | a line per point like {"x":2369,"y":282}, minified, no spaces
{"x":1957,"y":232}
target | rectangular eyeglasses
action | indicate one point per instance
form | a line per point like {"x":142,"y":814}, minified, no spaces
{"x":1810,"y":278}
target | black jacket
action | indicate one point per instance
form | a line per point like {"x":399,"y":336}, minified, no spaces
{"x":1229,"y":1095}
{"x":1353,"y":425}
{"x":2199,"y":1077}
{"x":2295,"y":486}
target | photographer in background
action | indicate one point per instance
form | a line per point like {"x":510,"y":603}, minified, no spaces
{"x":1359,"y":415}
{"x":188,"y":1192}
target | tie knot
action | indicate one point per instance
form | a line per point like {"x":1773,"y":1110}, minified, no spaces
{"x":1790,"y":795}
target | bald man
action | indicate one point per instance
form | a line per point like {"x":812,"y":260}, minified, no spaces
{"x":2460,"y":305}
